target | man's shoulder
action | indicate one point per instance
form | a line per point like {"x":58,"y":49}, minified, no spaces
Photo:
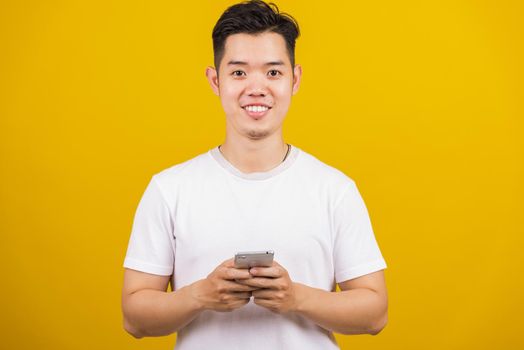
{"x":184,"y":170}
{"x":322,"y":171}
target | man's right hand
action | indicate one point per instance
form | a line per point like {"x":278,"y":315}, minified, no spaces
{"x":220,"y":292}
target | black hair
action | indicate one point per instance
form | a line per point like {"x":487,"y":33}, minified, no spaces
{"x":254,"y":17}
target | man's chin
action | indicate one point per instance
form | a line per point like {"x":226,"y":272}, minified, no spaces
{"x":257,"y":134}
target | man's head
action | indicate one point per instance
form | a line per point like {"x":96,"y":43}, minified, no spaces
{"x":255,"y":75}
{"x":254,"y":17}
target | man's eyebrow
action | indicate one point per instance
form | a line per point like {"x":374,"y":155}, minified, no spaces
{"x":243,"y":63}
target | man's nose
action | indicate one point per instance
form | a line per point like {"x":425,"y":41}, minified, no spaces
{"x":257,"y":86}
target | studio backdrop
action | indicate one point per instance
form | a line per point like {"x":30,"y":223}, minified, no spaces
{"x":419,"y":102}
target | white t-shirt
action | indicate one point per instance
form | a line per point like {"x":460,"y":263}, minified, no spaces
{"x":196,"y":214}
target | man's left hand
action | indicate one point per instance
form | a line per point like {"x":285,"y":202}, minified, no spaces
{"x":278,"y":293}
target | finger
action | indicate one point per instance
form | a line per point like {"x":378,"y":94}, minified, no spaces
{"x":230,"y":286}
{"x":246,"y":285}
{"x":242,"y":288}
{"x":260,"y":282}
{"x":263,"y":294}
{"x":230,"y":273}
{"x":241,"y":295}
{"x":273,"y":272}
{"x":244,"y":273}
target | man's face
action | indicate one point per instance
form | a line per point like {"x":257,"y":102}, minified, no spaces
{"x":255,"y":83}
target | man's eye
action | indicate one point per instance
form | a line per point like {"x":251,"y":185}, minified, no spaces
{"x":238,"y":73}
{"x":274,"y":73}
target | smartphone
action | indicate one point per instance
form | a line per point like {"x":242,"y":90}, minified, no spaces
{"x":245,"y":260}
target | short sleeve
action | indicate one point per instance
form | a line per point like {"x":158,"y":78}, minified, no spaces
{"x":356,"y":252}
{"x":151,"y":246}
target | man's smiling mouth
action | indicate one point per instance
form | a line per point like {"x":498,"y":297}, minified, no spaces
{"x":255,"y":108}
{"x":256,"y":111}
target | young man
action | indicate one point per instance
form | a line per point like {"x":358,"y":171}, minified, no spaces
{"x":254,"y":192}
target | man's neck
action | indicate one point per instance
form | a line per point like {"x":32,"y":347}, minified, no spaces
{"x":254,"y":156}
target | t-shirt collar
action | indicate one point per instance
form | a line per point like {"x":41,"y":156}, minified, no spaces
{"x":223,"y":162}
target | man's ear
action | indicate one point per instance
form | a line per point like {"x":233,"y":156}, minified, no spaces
{"x":297,"y":75}
{"x":212,"y":78}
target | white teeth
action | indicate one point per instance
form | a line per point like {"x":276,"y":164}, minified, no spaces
{"x":256,"y":109}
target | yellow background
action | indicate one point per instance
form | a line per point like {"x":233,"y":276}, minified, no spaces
{"x":420,"y":102}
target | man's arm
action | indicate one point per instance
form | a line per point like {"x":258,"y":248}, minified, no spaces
{"x":149,"y":310}
{"x":360,"y":308}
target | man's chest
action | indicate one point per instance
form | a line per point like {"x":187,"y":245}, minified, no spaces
{"x":212,"y":228}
